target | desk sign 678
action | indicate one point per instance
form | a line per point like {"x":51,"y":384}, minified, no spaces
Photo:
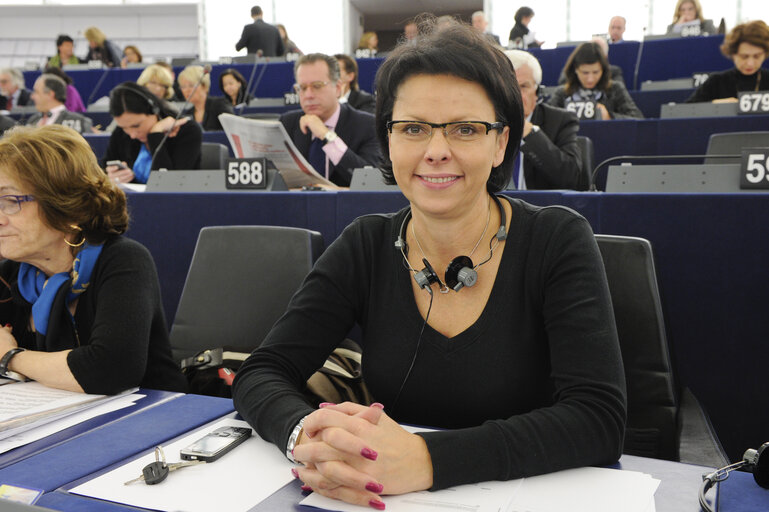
{"x":246,"y":173}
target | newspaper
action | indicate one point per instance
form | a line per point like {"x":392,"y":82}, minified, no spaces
{"x":256,"y":138}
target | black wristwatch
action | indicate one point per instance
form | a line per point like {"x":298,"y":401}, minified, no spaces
{"x":6,"y":360}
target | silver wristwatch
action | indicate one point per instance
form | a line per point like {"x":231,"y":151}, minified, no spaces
{"x":330,"y":136}
{"x":293,"y":438}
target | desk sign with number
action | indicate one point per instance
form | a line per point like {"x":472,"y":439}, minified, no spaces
{"x":756,"y":102}
{"x":699,"y":79}
{"x":291,"y":98}
{"x":584,"y":109}
{"x":246,"y":173}
{"x":754,"y":170}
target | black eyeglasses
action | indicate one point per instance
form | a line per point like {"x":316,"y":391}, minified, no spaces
{"x":455,"y":131}
{"x":11,"y":204}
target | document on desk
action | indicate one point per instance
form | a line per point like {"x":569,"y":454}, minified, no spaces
{"x":235,"y":483}
{"x":257,"y":138}
{"x":24,"y":405}
{"x":576,"y":490}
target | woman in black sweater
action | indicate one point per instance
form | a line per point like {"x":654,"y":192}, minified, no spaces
{"x":747,"y":45}
{"x":142,"y":123}
{"x":80,"y":303}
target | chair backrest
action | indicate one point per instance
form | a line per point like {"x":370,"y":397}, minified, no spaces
{"x":588,"y":162}
{"x":240,"y":281}
{"x":732,"y":144}
{"x":651,"y":429}
{"x":212,"y":155}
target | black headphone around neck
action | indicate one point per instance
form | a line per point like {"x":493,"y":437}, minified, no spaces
{"x":752,"y":461}
{"x":461,"y":272}
{"x":140,"y":91}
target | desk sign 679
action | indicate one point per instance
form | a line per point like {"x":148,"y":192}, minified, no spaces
{"x":754,"y":169}
{"x":753,"y":102}
{"x":246,"y":173}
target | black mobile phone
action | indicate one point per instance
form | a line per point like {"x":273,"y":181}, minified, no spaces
{"x":215,"y":444}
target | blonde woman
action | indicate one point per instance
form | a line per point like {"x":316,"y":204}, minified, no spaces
{"x":206,"y":108}
{"x":100,"y":48}
{"x":688,"y":20}
{"x":158,"y":80}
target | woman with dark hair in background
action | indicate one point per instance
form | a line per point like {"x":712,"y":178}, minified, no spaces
{"x":588,"y":79}
{"x":351,"y":93}
{"x":514,"y":359}
{"x":74,"y":102}
{"x":288,"y":44}
{"x":234,"y":86}
{"x":64,"y":53}
{"x":142,"y":122}
{"x":131,"y":55}
{"x":80,"y":302}
{"x":520,"y":36}
{"x":747,"y":45}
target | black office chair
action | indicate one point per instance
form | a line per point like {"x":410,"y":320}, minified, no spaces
{"x":732,"y":144}
{"x":664,"y":421}
{"x":239,"y":283}
{"x":213,"y":155}
{"x":587,"y":153}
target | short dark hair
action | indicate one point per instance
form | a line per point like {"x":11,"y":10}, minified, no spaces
{"x":462,"y":52}
{"x":53,"y":83}
{"x":586,"y":53}
{"x":333,"y":64}
{"x":63,"y":38}
{"x":754,"y":32}
{"x":136,"y":99}
{"x":256,"y":11}
{"x":350,"y":66}
{"x":523,"y":12}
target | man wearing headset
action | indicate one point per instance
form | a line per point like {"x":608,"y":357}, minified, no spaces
{"x":550,"y":157}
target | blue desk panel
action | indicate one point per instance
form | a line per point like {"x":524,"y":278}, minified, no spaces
{"x":681,"y":57}
{"x":100,"y":141}
{"x":152,"y":398}
{"x":114,"y":442}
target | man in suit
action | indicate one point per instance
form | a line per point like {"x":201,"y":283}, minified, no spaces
{"x":616,"y":29}
{"x":49,"y":95}
{"x":335,"y":138}
{"x":481,"y":25}
{"x":260,"y":37}
{"x":12,"y":90}
{"x":351,"y":93}
{"x":549,"y":157}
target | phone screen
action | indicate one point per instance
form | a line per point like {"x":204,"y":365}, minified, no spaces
{"x":216,"y":440}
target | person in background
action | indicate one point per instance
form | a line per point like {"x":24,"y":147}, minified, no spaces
{"x":549,"y":156}
{"x":234,"y":86}
{"x":131,"y":55}
{"x":445,"y":21}
{"x":50,"y":95}
{"x":520,"y":35}
{"x":80,"y":302}
{"x":142,"y":122}
{"x":410,"y":32}
{"x":588,"y":79}
{"x":206,"y":109}
{"x":334,"y":138}
{"x":480,"y":24}
{"x":64,"y":53}
{"x":13,"y":92}
{"x":369,"y":41}
{"x":177,"y":92}
{"x":101,"y":48}
{"x":288,"y":45}
{"x":6,"y":123}
{"x":74,"y":102}
{"x":260,"y":38}
{"x":616,"y":71}
{"x":521,"y":374}
{"x":688,"y":16}
{"x":747,"y":45}
{"x":158,"y":80}
{"x":616,"y":29}
{"x":351,"y":93}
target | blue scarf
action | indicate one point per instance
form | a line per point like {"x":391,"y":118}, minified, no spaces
{"x":142,"y":164}
{"x":40,"y":291}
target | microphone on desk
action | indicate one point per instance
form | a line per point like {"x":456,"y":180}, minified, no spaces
{"x":648,"y":157}
{"x":206,"y":71}
{"x":251,"y":78}
{"x":638,"y":61}
{"x":96,"y":87}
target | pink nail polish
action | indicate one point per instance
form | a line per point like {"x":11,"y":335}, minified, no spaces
{"x":377,"y":504}
{"x":377,"y":405}
{"x":369,"y":453}
{"x":306,"y":488}
{"x":374,"y":487}
{"x":295,"y":473}
{"x":326,"y":404}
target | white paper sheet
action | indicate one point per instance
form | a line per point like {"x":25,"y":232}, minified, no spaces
{"x":235,"y":483}
{"x":34,"y":434}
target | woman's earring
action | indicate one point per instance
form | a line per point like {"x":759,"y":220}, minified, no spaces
{"x":79,"y":230}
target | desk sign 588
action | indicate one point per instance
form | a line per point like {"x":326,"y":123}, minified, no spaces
{"x":246,"y":173}
{"x":754,"y":171}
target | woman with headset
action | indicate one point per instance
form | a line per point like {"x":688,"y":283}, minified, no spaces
{"x":148,"y":136}
{"x":511,"y":352}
